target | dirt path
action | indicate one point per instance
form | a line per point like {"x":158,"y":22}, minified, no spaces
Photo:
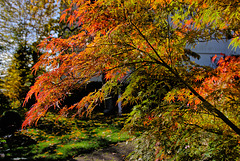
{"x":117,"y":152}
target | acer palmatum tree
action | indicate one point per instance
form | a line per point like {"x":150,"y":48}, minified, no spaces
{"x":143,"y":43}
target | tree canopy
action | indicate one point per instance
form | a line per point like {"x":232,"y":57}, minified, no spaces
{"x":144,"y":44}
{"x":26,"y":21}
{"x":23,"y":25}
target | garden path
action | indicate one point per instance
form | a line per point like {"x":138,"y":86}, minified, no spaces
{"x":117,"y":152}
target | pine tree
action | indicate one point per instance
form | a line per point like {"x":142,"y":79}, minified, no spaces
{"x":23,"y":25}
{"x":19,"y":78}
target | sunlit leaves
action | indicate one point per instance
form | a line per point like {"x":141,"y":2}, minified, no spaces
{"x":142,"y":43}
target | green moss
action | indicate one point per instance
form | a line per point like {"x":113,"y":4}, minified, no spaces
{"x":70,"y":137}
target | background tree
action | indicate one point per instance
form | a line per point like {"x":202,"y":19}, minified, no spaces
{"x":23,"y":25}
{"x":26,"y":21}
{"x":19,"y":77}
{"x":144,"y":43}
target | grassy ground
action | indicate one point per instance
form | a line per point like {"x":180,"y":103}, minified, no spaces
{"x":63,"y":139}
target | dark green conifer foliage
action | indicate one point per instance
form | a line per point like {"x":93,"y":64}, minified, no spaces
{"x":19,"y":77}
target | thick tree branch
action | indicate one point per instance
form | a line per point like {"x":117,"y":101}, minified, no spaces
{"x":208,"y":106}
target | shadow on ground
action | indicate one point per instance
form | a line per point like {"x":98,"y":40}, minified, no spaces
{"x":13,"y":145}
{"x":21,"y":144}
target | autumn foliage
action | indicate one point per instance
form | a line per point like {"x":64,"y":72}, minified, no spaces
{"x":143,"y":43}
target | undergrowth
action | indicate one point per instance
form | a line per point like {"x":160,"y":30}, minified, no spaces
{"x":63,"y":139}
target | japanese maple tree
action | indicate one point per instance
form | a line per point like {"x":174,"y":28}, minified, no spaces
{"x":144,"y":43}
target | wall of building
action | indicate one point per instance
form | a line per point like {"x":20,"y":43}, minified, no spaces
{"x":209,"y":49}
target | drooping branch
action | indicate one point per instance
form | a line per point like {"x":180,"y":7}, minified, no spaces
{"x":208,"y":106}
{"x":206,"y":129}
